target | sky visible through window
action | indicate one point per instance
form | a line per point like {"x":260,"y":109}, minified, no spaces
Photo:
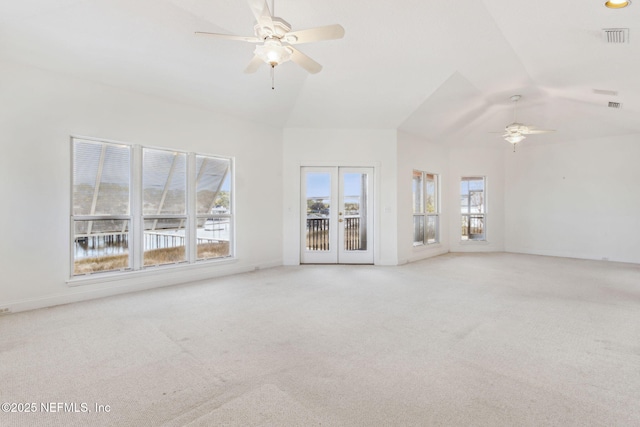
{"x":472,"y":195}
{"x":319,"y":184}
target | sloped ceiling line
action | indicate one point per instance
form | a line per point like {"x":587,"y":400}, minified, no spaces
{"x":437,"y":70}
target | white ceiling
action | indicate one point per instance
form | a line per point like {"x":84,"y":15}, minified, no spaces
{"x":440,"y":70}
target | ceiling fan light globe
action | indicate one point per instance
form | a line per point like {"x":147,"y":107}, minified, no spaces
{"x":617,"y":4}
{"x":515,"y":138}
{"x":273,"y":53}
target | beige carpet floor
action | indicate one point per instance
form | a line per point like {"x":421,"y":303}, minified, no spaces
{"x":457,"y":340}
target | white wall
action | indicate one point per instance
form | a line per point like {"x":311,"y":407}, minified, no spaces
{"x":339,"y":147}
{"x":420,"y":154}
{"x":487,"y":162}
{"x":38,"y":113}
{"x":575,"y":199}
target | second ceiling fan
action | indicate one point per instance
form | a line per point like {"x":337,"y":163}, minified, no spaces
{"x":274,"y":39}
{"x":516,"y":132}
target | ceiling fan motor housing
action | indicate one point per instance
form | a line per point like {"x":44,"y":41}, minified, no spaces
{"x":516,"y":127}
{"x":280,"y":29}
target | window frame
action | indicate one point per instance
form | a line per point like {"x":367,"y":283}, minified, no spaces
{"x":100,"y":217}
{"x":137,"y":218}
{"x":423,"y":210}
{"x":144,"y":217}
{"x":194,"y":215}
{"x":482,"y":215}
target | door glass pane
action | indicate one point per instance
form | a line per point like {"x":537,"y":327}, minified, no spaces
{"x":164,"y":241}
{"x":318,"y":208}
{"x":355,"y":211}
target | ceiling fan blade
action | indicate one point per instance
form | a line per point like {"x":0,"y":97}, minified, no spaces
{"x":229,"y":37}
{"x":304,"y":61}
{"x":261,"y":12}
{"x":253,"y":65}
{"x":329,"y":32}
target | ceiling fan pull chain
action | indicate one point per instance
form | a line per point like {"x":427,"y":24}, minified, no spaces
{"x":273,"y":72}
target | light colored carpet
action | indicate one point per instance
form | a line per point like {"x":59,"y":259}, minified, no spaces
{"x":474,"y":339}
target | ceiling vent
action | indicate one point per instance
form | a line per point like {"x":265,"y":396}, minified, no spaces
{"x":616,"y":35}
{"x":605,"y":92}
{"x":615,"y":105}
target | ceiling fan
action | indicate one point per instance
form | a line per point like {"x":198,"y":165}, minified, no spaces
{"x":516,"y":132}
{"x":275,"y":39}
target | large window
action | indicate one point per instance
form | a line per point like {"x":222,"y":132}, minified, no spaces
{"x":472,"y":208}
{"x":135,"y":207}
{"x":164,"y":206}
{"x":425,"y":208}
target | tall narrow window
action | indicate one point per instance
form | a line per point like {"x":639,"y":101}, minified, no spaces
{"x":164,"y":206}
{"x":177,"y":210}
{"x":213,"y":207}
{"x":425,"y":208}
{"x":472,"y":208}
{"x":101,"y":215}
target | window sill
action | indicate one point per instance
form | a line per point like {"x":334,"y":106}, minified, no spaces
{"x":112,"y":276}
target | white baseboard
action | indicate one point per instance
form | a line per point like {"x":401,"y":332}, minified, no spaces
{"x":420,"y":255}
{"x":573,"y":255}
{"x":127,"y":285}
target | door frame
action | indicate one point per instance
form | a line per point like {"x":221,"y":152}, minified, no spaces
{"x":333,"y":256}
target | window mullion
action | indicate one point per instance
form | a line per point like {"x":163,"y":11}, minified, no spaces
{"x":425,"y":198}
{"x":137,"y":229}
{"x":192,"y":223}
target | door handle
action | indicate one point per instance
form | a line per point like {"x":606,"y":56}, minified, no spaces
{"x":340,"y":220}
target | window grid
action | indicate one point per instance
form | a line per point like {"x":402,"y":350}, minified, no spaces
{"x":139,"y":210}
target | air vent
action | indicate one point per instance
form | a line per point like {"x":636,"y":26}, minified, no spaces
{"x":615,"y":105}
{"x":605,"y":92}
{"x":616,"y":35}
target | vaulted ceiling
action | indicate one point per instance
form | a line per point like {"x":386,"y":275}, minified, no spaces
{"x":440,"y":70}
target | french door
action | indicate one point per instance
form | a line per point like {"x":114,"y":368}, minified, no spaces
{"x":337,"y":215}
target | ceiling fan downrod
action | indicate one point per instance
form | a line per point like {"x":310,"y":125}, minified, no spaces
{"x":515,"y":99}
